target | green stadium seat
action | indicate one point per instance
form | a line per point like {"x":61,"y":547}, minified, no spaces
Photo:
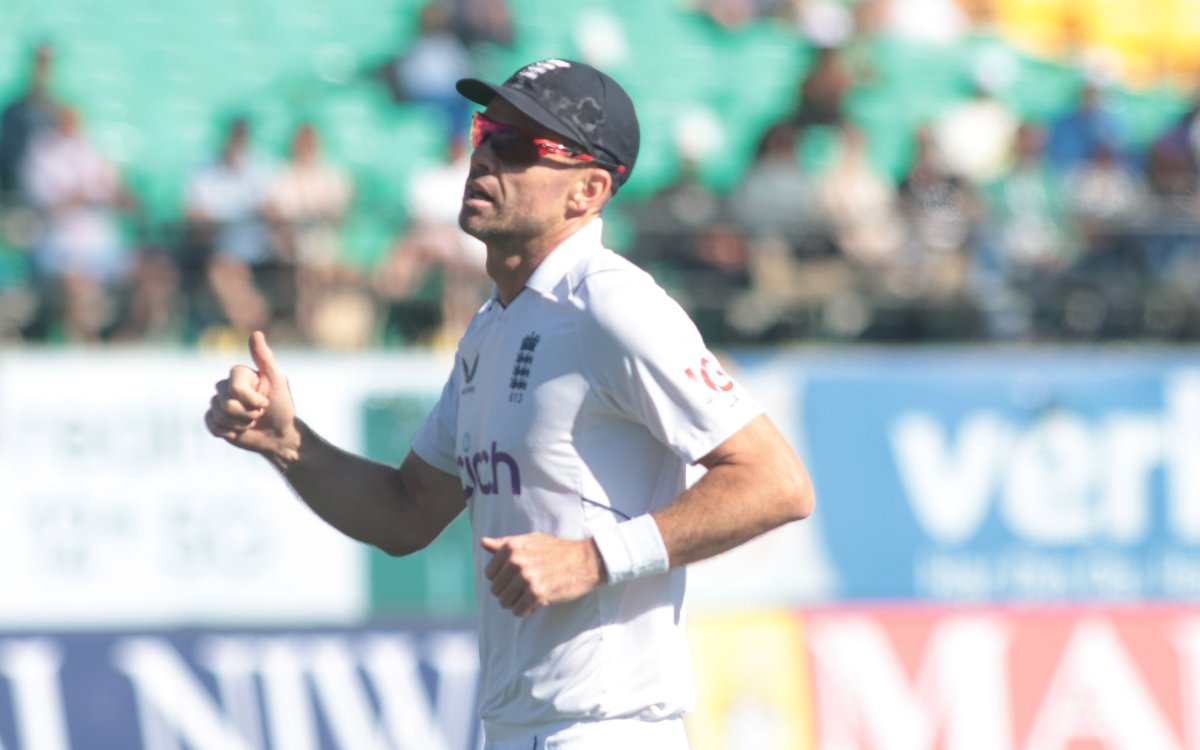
{"x":14,"y":267}
{"x":157,"y":79}
{"x":367,"y":237}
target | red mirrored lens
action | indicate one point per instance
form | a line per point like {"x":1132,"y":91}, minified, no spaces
{"x":515,"y":146}
{"x":508,"y":143}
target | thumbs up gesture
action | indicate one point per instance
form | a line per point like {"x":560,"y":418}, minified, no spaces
{"x":253,"y":407}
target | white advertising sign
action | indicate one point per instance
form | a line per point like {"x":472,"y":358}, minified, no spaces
{"x":117,"y":507}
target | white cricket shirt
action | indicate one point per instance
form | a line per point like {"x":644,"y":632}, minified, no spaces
{"x":578,"y":406}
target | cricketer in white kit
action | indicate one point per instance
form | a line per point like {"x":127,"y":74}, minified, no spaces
{"x":575,"y":408}
{"x":580,"y":396}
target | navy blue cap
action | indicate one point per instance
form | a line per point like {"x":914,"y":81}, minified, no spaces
{"x":574,"y":100}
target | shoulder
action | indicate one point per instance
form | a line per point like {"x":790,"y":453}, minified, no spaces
{"x":622,"y":304}
{"x":603,"y":268}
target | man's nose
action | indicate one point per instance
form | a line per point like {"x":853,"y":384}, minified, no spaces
{"x":483,"y":157}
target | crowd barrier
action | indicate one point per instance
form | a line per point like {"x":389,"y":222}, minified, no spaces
{"x":874,"y":678}
{"x":1003,"y":555}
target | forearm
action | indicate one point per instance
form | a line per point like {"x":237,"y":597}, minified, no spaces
{"x":733,"y":503}
{"x":755,"y":482}
{"x":366,"y":500}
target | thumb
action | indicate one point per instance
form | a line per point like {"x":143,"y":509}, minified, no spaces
{"x":264,"y":358}
{"x":490,"y":544}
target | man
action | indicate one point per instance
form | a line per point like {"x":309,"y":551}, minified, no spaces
{"x":80,"y":257}
{"x":580,"y":396}
{"x":31,"y":114}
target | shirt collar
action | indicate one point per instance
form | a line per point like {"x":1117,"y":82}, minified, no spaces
{"x":559,"y":262}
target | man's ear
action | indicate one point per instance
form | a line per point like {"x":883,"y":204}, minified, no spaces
{"x":591,"y":190}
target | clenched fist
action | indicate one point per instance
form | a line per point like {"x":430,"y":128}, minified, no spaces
{"x":536,"y":570}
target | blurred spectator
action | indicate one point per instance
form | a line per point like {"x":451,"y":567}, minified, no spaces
{"x":1169,"y":233}
{"x":80,"y":257}
{"x":775,"y":197}
{"x":823,"y":90}
{"x":860,"y":205}
{"x":863,"y":214}
{"x":425,"y":72}
{"x":929,"y":279}
{"x":306,"y":203}
{"x":477,"y":22}
{"x":669,"y":221}
{"x":1030,"y":243}
{"x":975,"y":136}
{"x":1105,"y":194}
{"x":1107,"y":199}
{"x":861,"y":211}
{"x":1030,"y":203}
{"x":27,"y":116}
{"x":686,"y":237}
{"x":1174,"y":157}
{"x":434,"y":278}
{"x":1091,"y":124}
{"x":227,"y":241}
{"x":939,"y":204}
{"x":153,"y":309}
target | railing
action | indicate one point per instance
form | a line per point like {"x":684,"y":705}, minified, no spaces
{"x":1130,"y":280}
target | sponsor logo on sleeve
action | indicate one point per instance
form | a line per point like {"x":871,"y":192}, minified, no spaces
{"x":709,"y":375}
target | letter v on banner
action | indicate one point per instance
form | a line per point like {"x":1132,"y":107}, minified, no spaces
{"x":950,"y":482}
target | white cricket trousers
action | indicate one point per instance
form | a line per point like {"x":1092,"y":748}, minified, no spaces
{"x":623,"y":734}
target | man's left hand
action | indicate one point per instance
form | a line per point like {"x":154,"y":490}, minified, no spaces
{"x":535,"y":570}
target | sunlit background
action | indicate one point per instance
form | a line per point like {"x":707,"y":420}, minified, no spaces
{"x":952,"y":246}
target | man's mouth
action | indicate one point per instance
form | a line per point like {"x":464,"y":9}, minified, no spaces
{"x":473,"y":193}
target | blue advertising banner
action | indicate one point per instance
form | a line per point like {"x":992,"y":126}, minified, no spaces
{"x":402,"y":688}
{"x":1001,"y":477}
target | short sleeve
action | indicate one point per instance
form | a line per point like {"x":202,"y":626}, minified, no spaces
{"x":647,"y":359}
{"x":435,"y":440}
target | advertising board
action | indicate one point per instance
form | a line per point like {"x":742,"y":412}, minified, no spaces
{"x":994,"y":478}
{"x":401,"y":687}
{"x":117,"y":508}
{"x":931,"y":678}
{"x":846,"y":678}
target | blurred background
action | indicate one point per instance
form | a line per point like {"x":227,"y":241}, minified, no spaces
{"x":952,"y":245}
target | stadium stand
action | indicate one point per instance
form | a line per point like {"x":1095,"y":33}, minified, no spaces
{"x":156,"y":81}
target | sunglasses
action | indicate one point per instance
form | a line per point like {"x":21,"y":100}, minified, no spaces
{"x":515,"y":146}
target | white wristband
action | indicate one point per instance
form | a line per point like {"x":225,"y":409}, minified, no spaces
{"x":632,"y":549}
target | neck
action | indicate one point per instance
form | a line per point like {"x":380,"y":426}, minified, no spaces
{"x":511,"y":263}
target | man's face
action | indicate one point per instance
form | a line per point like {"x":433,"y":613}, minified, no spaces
{"x":505,"y":201}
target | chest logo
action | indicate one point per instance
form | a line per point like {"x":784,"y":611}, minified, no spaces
{"x":522,"y":367}
{"x":469,"y":370}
